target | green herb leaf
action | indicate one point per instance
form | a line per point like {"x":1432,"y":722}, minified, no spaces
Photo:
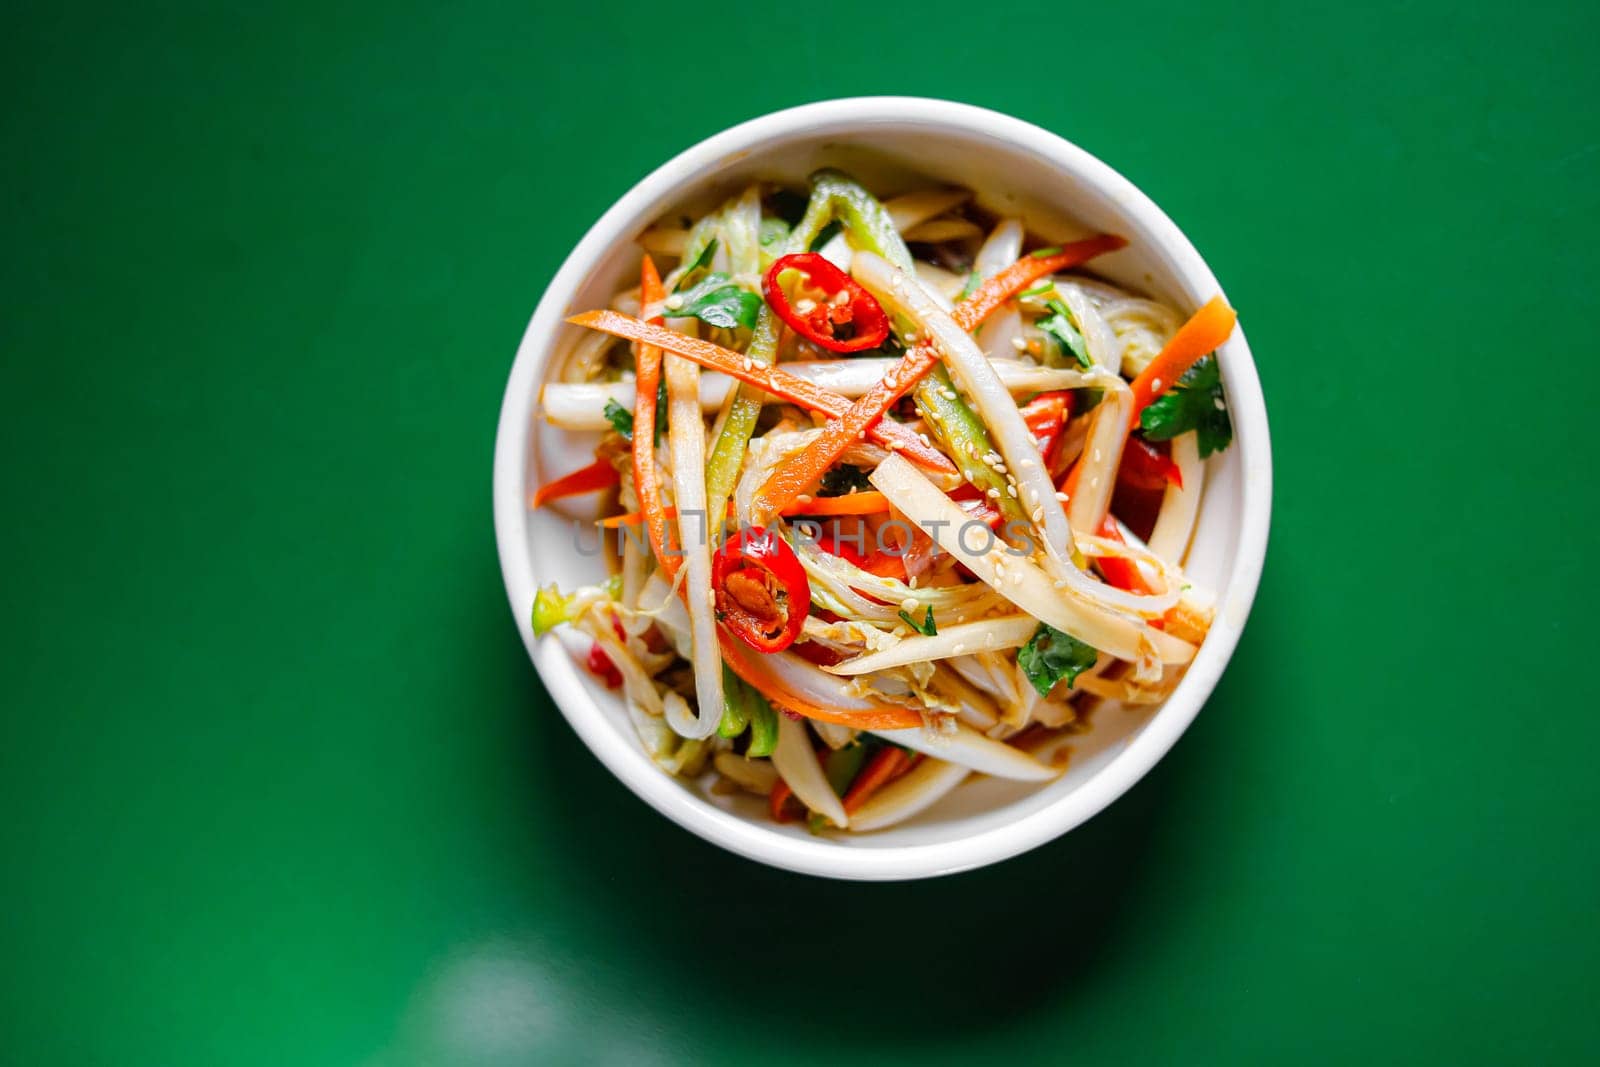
{"x":1195,"y":403}
{"x":714,"y":299}
{"x":926,"y":627}
{"x":1051,"y":655}
{"x":620,"y":418}
{"x":551,"y":608}
{"x":844,"y":479}
{"x":1037,"y":289}
{"x":1059,"y":325}
{"x":974,"y":280}
{"x":700,"y":261}
{"x":1041,"y":253}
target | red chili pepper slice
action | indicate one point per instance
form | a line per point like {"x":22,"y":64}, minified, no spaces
{"x":1046,"y":416}
{"x":825,"y":305}
{"x":762,"y":592}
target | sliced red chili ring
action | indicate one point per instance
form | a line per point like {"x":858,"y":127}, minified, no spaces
{"x":761,"y":590}
{"x":825,"y":305}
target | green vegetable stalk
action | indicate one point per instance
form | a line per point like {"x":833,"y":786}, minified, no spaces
{"x":963,"y":435}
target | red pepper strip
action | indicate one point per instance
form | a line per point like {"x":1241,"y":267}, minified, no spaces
{"x":762,"y":592}
{"x":797,"y":475}
{"x":598,"y":475}
{"x":1203,"y":334}
{"x":750,"y":668}
{"x":778,"y":799}
{"x":646,"y":478}
{"x":1046,"y":416}
{"x":806,"y":394}
{"x":822,"y":284}
{"x":881,"y":769}
{"x":1144,"y":466}
{"x":1120,"y":573}
{"x":601,"y":667}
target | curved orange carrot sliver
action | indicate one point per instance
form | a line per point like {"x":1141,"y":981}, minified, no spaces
{"x":646,"y":478}
{"x":883,"y":717}
{"x":806,"y":394}
{"x":881,"y":769}
{"x":1203,"y":334}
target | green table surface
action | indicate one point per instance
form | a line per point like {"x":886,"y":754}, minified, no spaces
{"x":279,"y":785}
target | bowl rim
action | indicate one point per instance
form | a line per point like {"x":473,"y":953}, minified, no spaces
{"x":819,"y":856}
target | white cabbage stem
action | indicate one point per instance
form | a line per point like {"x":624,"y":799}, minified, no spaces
{"x":912,"y":209}
{"x":1179,"y":506}
{"x":986,"y":635}
{"x":802,"y":772}
{"x":687,"y":436}
{"x":972,"y":750}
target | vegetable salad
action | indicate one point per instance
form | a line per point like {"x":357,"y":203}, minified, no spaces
{"x":895,"y":495}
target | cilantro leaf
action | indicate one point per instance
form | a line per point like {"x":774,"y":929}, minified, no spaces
{"x":926,"y":627}
{"x":844,"y":479}
{"x":1195,"y":403}
{"x":1058,"y":324}
{"x":1051,"y":655}
{"x":620,"y":418}
{"x":716,"y":300}
{"x":700,"y":261}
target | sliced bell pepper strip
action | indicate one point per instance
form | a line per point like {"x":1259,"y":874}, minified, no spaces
{"x":1203,"y":334}
{"x":821,"y":302}
{"x":1144,"y":466}
{"x":646,"y":478}
{"x":598,"y":475}
{"x":1120,"y":573}
{"x":795,"y":390}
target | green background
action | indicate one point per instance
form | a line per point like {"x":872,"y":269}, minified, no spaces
{"x":279,"y":784}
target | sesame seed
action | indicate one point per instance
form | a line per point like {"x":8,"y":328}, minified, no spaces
{"x":1000,"y":468}
{"x":909,"y":604}
{"x":993,"y":494}
{"x":1038,"y":514}
{"x":911,"y":337}
{"x":1097,"y":455}
{"x":1019,"y":344}
{"x":947,"y":393}
{"x":1011,"y":489}
{"x":1062,"y":497}
{"x":894,"y":446}
{"x":1155,"y":385}
{"x":841,"y":298}
{"x":958,"y":648}
{"x":674,"y":301}
{"x":805,"y":307}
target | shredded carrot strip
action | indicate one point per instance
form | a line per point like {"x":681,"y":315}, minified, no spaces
{"x":868,"y":502}
{"x":884,"y":766}
{"x":598,"y":475}
{"x":801,"y":472}
{"x":806,"y":394}
{"x":1204,"y":333}
{"x":646,"y":478}
{"x":777,"y":799}
{"x":883,"y":717}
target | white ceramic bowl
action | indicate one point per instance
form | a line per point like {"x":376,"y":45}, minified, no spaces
{"x":892,"y":144}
